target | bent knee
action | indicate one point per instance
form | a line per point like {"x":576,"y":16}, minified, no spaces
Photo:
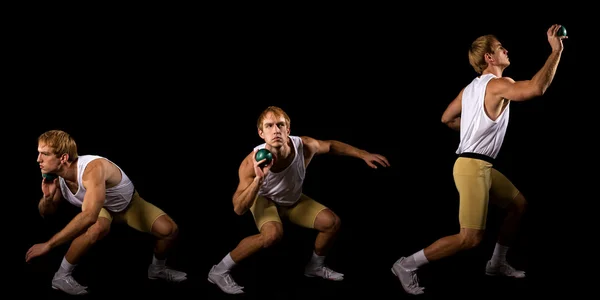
{"x":470,"y":238}
{"x":327,"y":221}
{"x":270,"y":234}
{"x":98,"y":231}
{"x":518,"y":205}
{"x":164,"y":227}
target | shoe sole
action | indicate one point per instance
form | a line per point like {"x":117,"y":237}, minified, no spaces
{"x":55,"y":288}
{"x":209,"y":280}
{"x":313,"y":276}
{"x":176,"y":281}
{"x":507,"y":276}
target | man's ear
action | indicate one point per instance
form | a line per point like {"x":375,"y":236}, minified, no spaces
{"x":260,"y":133}
{"x":64,"y":158}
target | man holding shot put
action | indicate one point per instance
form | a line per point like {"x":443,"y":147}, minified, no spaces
{"x":271,"y":188}
{"x":106,"y":195}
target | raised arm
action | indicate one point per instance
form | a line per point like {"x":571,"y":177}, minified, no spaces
{"x":94,"y":180}
{"x":510,"y":89}
{"x":315,"y":147}
{"x":250,"y":178}
{"x":451,"y":116}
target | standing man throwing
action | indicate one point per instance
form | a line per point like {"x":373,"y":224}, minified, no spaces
{"x":481,"y":113}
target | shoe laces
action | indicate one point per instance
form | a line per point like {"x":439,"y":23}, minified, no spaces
{"x":509,"y":269}
{"x":229,"y":280}
{"x":414,"y":280}
{"x":71,"y":281}
{"x":327,"y":272}
{"x":168,"y":274}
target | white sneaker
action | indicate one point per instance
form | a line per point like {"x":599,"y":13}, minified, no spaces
{"x":162,"y":272}
{"x":503,"y":269}
{"x":67,"y":284}
{"x":408,"y":278}
{"x":323,"y":272}
{"x":225,"y":282}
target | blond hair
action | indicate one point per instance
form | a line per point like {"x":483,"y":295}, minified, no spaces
{"x":276,"y":111}
{"x":60,"y":142}
{"x":479,"y":48}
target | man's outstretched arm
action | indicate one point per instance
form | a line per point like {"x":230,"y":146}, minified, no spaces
{"x":315,"y":147}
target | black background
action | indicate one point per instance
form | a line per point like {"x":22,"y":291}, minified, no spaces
{"x":172,"y":96}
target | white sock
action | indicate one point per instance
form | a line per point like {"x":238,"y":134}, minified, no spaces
{"x":225,"y":265}
{"x":415,"y":261}
{"x":158,"y":262}
{"x":317,"y":260}
{"x":66,"y":268}
{"x":499,"y":255}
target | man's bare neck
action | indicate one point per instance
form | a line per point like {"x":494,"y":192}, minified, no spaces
{"x":69,"y":173}
{"x":493,"y":70}
{"x":282,"y":153}
{"x":283,"y":157}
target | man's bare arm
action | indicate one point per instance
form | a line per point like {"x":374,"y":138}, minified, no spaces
{"x":317,"y":147}
{"x":507,"y":88}
{"x":451,"y":116}
{"x":248,"y":187}
{"x":314,"y":147}
{"x":48,"y":205}
{"x":94,"y":180}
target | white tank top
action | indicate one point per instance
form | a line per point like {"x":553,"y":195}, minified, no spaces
{"x":478,"y":133}
{"x":117,"y":197}
{"x":285,"y":187}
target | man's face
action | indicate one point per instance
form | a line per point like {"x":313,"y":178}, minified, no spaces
{"x":500,"y":55}
{"x":48,"y":161}
{"x":275,"y":130}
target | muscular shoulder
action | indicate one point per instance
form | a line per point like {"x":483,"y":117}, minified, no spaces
{"x":498,"y":84}
{"x":100,"y":169}
{"x":247,"y":165}
{"x":95,"y":165}
{"x":308,"y":141}
{"x":310,"y":144}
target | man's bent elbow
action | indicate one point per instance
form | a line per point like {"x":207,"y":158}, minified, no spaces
{"x":46,"y":210}
{"x":446,"y":119}
{"x":537,"y":92}
{"x":533,"y":92}
{"x":239,"y":210}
